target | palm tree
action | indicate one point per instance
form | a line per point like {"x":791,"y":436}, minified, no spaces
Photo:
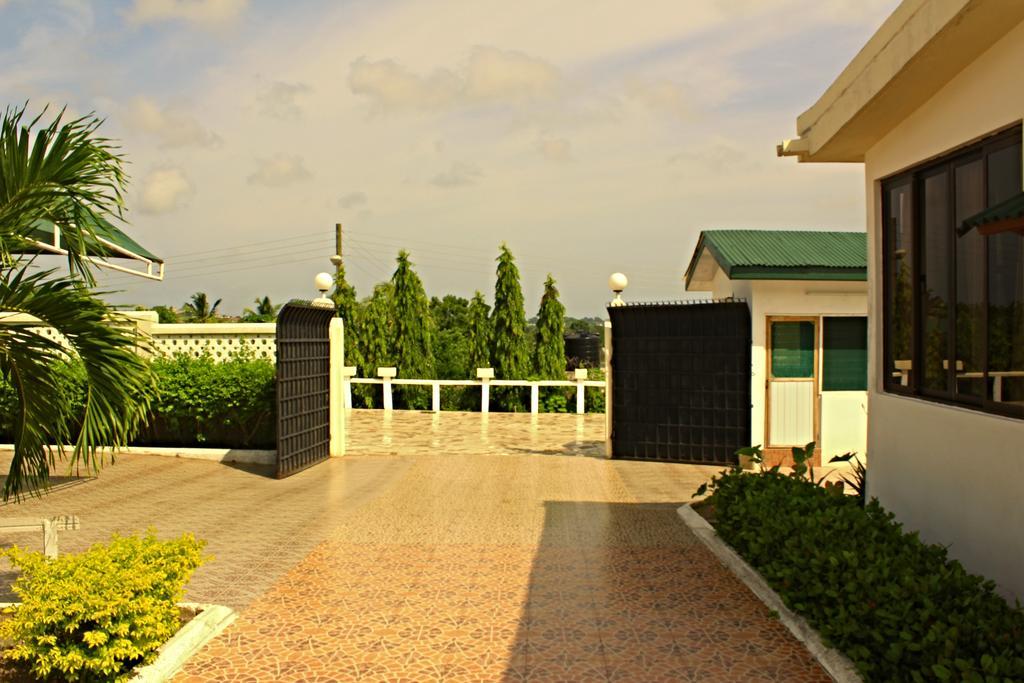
{"x":199,"y":310}
{"x":265,"y":312}
{"x":65,"y":173}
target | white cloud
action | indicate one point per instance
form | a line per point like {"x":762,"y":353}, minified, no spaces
{"x":458,"y":175}
{"x":163,"y":190}
{"x":279,"y":171}
{"x":661,"y":96}
{"x":353,"y":200}
{"x":280,"y":100}
{"x":172,"y":127}
{"x":204,"y":13}
{"x":555,"y":149}
{"x":489,"y":75}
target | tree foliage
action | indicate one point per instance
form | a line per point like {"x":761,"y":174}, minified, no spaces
{"x":344,"y":297}
{"x":412,"y":342}
{"x":66,"y":174}
{"x":199,"y":310}
{"x":166,"y":315}
{"x":374,"y":319}
{"x":509,"y":348}
{"x":450,"y":316}
{"x":479,"y":333}
{"x":549,"y":357}
{"x":265,"y":311}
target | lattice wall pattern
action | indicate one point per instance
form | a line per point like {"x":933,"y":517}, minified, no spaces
{"x":221,"y":345}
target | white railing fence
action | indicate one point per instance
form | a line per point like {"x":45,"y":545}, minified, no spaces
{"x":387,"y":379}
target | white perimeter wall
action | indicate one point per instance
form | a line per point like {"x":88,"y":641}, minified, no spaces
{"x":844,"y":423}
{"x":955,"y":475}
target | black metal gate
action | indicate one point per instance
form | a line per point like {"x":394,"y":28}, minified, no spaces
{"x":681,"y":381}
{"x":303,"y":386}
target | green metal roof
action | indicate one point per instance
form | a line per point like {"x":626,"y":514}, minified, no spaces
{"x":123,"y":246}
{"x":785,"y":254}
{"x":1010,"y":210}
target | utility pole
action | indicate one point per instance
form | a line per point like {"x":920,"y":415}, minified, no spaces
{"x":337,"y":247}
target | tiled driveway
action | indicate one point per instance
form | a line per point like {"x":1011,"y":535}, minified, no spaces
{"x":448,"y":549}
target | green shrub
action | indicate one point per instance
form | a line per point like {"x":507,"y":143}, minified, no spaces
{"x":94,"y":616}
{"x":897,"y":607}
{"x":209,"y":403}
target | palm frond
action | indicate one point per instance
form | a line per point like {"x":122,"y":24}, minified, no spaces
{"x":119,"y":382}
{"x":62,"y":172}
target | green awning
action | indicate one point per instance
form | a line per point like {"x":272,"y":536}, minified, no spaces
{"x":1006,"y":216}
{"x":109,"y":243}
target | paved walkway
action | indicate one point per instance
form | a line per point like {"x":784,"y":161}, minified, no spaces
{"x":419,"y":558}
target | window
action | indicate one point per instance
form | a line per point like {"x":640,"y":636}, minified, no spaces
{"x":953,"y":317}
{"x":792,"y":349}
{"x":844,"y":364}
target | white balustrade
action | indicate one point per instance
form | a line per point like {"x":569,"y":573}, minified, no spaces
{"x":387,"y":378}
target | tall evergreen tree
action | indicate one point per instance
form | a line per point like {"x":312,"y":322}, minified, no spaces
{"x":549,"y":359}
{"x":412,"y":343}
{"x":344,"y":297}
{"x":374,"y":320}
{"x":450,"y":336}
{"x":479,"y":331}
{"x":510,"y":355}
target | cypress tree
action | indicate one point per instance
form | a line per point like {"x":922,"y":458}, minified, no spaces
{"x":549,"y":359}
{"x":374,"y":320}
{"x":411,"y":338}
{"x":344,"y":297}
{"x":509,"y":349}
{"x":479,"y":330}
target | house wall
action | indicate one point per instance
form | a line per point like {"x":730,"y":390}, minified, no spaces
{"x":844,"y":425}
{"x":955,"y":475}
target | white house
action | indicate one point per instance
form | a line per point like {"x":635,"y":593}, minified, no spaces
{"x":932,"y":106}
{"x":807,"y":293}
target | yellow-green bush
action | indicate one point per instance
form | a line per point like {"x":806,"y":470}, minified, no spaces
{"x":95,"y":615}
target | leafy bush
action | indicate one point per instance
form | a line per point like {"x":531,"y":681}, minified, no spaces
{"x":899,"y":608}
{"x":203,"y":402}
{"x":96,"y":615}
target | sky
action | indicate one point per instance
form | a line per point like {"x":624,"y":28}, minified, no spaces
{"x":591,"y":136}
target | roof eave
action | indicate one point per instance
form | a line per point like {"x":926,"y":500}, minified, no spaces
{"x":774,"y":273}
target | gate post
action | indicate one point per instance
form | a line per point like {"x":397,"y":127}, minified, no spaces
{"x":608,"y":388}
{"x":338,"y":383}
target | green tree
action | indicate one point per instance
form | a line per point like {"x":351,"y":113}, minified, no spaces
{"x":199,"y":310}
{"x":375,"y":322}
{"x":451,"y":336}
{"x":66,"y":174}
{"x":344,"y":297}
{"x":166,"y":315}
{"x":412,"y":342}
{"x":549,"y":359}
{"x":510,"y":356}
{"x":479,"y":333}
{"x":265,"y":311}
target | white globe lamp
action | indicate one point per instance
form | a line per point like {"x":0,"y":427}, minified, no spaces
{"x":617,"y":282}
{"x":323,"y":282}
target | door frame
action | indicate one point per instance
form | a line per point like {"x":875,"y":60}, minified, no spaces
{"x":768,"y":379}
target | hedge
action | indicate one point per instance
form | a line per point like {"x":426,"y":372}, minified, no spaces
{"x":899,"y":608}
{"x":201,"y":402}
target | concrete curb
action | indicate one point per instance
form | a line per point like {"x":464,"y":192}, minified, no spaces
{"x":189,"y":639}
{"x":186,"y":642}
{"x":237,"y":455}
{"x":833,"y":661}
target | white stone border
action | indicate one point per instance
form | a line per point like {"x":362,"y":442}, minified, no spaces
{"x":838,"y":666}
{"x":190,"y":638}
{"x":238,"y":455}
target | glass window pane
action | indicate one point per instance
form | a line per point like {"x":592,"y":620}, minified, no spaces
{"x":899,"y":285}
{"x":970,"y":281}
{"x":935,"y":244}
{"x":844,"y":363}
{"x":1005,"y":287}
{"x":792,"y":349}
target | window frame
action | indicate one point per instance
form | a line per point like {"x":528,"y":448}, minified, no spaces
{"x":913,"y":178}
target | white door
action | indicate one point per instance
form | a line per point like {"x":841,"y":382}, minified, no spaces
{"x":792,"y":381}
